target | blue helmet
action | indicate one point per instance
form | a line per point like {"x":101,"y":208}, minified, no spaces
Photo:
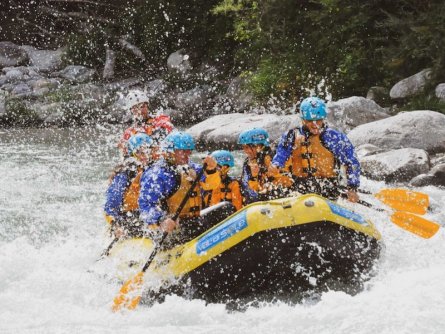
{"x":254,"y":136}
{"x":136,"y":141}
{"x":313,"y":109}
{"x":224,"y":158}
{"x":179,"y":141}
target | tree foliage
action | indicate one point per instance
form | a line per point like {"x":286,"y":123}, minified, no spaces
{"x":285,"y":47}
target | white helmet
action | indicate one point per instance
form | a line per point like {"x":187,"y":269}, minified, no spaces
{"x":135,"y":97}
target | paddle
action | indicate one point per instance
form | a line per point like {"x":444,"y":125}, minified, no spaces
{"x":404,"y":200}
{"x":106,"y":252}
{"x":131,"y":292}
{"x":401,"y":199}
{"x":409,"y":222}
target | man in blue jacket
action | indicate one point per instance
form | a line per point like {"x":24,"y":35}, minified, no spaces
{"x":317,"y":153}
{"x":165,"y":184}
{"x":121,"y":206}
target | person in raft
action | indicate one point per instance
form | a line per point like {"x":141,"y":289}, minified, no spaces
{"x":121,"y":206}
{"x":317,"y":154}
{"x":165,"y":185}
{"x":145,"y":120}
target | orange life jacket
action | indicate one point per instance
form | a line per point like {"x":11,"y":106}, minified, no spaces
{"x":131,"y":196}
{"x":192,"y":207}
{"x":311,"y":158}
{"x":229,"y":190}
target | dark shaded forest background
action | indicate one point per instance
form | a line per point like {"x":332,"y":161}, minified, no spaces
{"x":281,"y":47}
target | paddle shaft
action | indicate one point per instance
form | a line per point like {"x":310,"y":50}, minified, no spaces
{"x":106,"y":252}
{"x":175,"y":216}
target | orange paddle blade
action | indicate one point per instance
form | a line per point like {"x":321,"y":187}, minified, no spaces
{"x":404,"y":200}
{"x":130,"y":294}
{"x":415,"y":224}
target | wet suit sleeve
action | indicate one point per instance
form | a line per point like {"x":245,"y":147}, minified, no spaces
{"x":342,"y":148}
{"x":284,"y":149}
{"x":115,"y":195}
{"x":155,"y":184}
{"x":249,"y":194}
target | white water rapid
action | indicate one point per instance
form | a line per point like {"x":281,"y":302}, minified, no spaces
{"x":52,"y":184}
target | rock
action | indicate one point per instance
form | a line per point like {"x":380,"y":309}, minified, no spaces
{"x":156,"y":87}
{"x":193,"y":105}
{"x":236,"y":99}
{"x":435,"y":177}
{"x":410,"y":86}
{"x":422,"y":180}
{"x":2,"y":103}
{"x":123,"y":84}
{"x":379,"y":95}
{"x":438,"y":172}
{"x":366,"y":150}
{"x":396,"y":166}
{"x":14,"y":75}
{"x":12,"y":55}
{"x":21,"y":89}
{"x":346,"y":114}
{"x":76,"y":74}
{"x":440,"y":91}
{"x":47,"y":111}
{"x":208,"y":72}
{"x":179,"y":62}
{"x":43,"y":83}
{"x":192,"y":99}
{"x":423,"y":129}
{"x":438,"y":159}
{"x":222,"y":131}
{"x":90,"y":91}
{"x":45,"y":60}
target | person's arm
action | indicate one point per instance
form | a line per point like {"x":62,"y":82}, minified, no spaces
{"x":154,"y":186}
{"x":284,"y":149}
{"x":340,"y":145}
{"x":249,"y":194}
{"x":115,"y":195}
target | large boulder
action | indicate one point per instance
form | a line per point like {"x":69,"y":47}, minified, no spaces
{"x":396,"y":166}
{"x":410,"y":86}
{"x":423,"y":129}
{"x":367,"y":150}
{"x":12,"y":55}
{"x":346,"y":114}
{"x":44,"y":60}
{"x":222,"y":131}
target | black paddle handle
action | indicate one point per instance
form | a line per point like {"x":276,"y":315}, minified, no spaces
{"x":175,"y":216}
{"x":364,"y":203}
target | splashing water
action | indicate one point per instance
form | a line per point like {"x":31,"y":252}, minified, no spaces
{"x":52,"y":231}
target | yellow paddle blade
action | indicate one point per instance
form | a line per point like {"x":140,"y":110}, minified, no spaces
{"x":415,"y":224}
{"x":130,"y":294}
{"x":404,"y":200}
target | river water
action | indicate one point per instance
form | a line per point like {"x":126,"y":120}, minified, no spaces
{"x":52,"y":184}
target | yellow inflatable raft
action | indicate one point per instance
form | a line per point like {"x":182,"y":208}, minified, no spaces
{"x":268,"y":250}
